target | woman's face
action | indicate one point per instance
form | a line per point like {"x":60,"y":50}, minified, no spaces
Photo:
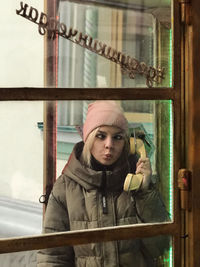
{"x":108,"y":144}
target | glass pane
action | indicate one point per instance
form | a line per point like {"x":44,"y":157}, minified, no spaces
{"x":146,"y":252}
{"x":151,"y":121}
{"x":21,"y":48}
{"x":21,"y":160}
{"x":22,"y":164}
{"x":142,"y":33}
{"x":19,"y":259}
{"x":133,"y":44}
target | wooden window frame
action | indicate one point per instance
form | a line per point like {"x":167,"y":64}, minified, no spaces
{"x":176,"y":95}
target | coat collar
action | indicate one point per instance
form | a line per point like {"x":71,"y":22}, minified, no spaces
{"x":91,"y":178}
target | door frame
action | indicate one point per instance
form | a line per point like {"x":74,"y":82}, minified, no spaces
{"x":179,"y":104}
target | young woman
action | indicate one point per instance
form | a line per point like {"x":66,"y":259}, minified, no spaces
{"x":89,"y":194}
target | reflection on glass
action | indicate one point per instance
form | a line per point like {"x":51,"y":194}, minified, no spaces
{"x":128,"y":44}
{"x":142,"y":31}
{"x":21,"y":160}
{"x":146,"y":252}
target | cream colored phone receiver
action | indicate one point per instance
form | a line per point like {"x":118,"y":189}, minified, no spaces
{"x":134,"y":181}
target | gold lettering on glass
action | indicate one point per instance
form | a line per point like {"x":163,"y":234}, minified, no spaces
{"x":52,"y":27}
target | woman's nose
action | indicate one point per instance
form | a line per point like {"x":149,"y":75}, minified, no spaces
{"x":108,"y":142}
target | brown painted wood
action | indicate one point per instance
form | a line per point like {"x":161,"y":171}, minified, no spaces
{"x":50,"y":111}
{"x":114,"y":233}
{"x":179,"y":145}
{"x":86,"y":236}
{"x":193,"y":131}
{"x":86,"y":94}
{"x":49,"y":148}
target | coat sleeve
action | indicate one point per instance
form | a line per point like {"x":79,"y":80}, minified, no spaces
{"x":56,"y":220}
{"x":151,"y":209}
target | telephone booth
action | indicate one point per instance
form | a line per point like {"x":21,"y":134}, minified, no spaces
{"x":57,"y":57}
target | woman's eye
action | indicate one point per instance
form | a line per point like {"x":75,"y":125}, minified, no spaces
{"x":100,"y":136}
{"x":118,"y":137}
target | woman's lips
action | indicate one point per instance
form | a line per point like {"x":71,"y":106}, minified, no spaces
{"x":107,"y":156}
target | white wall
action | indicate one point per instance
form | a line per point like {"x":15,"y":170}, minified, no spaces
{"x":21,"y":145}
{"x":21,"y":65}
{"x":21,"y":47}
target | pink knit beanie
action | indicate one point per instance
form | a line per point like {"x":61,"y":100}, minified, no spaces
{"x":104,"y":113}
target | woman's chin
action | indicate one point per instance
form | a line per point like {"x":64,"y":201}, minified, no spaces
{"x":107,"y":161}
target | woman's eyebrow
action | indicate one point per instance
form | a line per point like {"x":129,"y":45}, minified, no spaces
{"x":121,"y":132}
{"x":103,"y":132}
{"x":99,"y":131}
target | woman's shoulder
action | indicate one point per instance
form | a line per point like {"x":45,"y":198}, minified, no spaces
{"x":62,"y":183}
{"x":59,"y":187}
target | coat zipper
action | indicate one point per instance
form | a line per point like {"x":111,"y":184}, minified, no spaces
{"x":104,"y":197}
{"x":115,"y":224}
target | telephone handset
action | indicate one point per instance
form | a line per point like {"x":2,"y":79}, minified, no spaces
{"x":134,"y":181}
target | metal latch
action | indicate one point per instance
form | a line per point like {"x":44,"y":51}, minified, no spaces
{"x":184,"y":185}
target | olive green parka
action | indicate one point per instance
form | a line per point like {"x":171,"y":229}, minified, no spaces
{"x":86,"y":198}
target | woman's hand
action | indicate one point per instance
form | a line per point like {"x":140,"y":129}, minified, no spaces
{"x":143,"y":166}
